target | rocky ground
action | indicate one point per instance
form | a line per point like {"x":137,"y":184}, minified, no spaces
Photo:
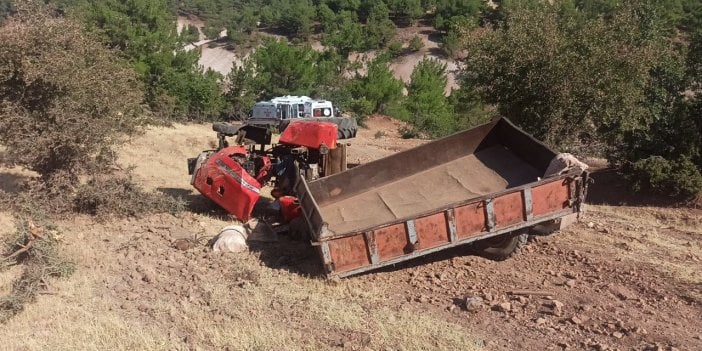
{"x":627,"y":277}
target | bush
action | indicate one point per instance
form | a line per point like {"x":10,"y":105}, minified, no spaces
{"x":409,"y":133}
{"x":62,"y":107}
{"x":416,"y":43}
{"x":211,"y":32}
{"x":189,"y":34}
{"x":395,"y":49}
{"x":143,"y":32}
{"x":426,"y":102}
{"x":675,"y":178}
{"x":35,"y":247}
{"x":118,"y":196}
{"x":378,"y":87}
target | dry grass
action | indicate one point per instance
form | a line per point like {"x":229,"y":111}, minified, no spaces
{"x":252,"y":308}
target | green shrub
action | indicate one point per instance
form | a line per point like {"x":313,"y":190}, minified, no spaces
{"x":675,"y":178}
{"x":416,"y":43}
{"x":395,"y":49}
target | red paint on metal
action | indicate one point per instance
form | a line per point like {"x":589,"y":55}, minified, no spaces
{"x":310,"y":134}
{"x":549,"y":198}
{"x":431,"y":231}
{"x":290,"y":208}
{"x":509,"y":210}
{"x":224,"y":181}
{"x":470,"y":220}
{"x":392,"y":241}
{"x":349,"y":253}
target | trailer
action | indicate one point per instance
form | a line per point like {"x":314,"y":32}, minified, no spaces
{"x":486,"y":185}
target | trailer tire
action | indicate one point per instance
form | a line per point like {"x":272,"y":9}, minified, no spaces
{"x":504,"y":246}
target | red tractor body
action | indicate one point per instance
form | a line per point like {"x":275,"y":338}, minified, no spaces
{"x":311,"y":134}
{"x":232,"y":176}
{"x":222,"y":179}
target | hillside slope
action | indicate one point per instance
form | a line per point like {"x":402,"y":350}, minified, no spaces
{"x":625,"y":277}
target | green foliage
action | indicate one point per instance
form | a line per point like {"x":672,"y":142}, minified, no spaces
{"x":378,"y":88}
{"x":603,"y":79}
{"x":211,"y":32}
{"x":416,"y":43}
{"x":62,"y":107}
{"x":405,"y":11}
{"x":692,"y":15}
{"x":346,"y":34}
{"x":559,"y":80}
{"x":189,"y":34}
{"x":144,"y":32}
{"x":296,"y":16}
{"x":326,"y":17}
{"x":395,"y":49}
{"x":676,"y":177}
{"x":379,"y":28}
{"x":469,"y":108}
{"x":429,"y":108}
{"x":278,"y":68}
{"x":449,"y":12}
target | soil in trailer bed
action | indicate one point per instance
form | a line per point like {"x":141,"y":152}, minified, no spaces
{"x":487,"y":171}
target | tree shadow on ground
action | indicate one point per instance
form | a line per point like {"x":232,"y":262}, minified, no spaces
{"x":12,"y":183}
{"x":609,"y":187}
{"x":196,"y":203}
{"x":294,"y":256}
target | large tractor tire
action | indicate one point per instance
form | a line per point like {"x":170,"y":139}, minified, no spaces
{"x":503,"y":246}
{"x":225,"y":128}
{"x":347,"y":127}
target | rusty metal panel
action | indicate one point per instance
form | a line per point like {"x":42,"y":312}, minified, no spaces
{"x":432,"y":231}
{"x":550,"y":197}
{"x":348,"y":253}
{"x":418,"y":253}
{"x":509,"y":210}
{"x":392,"y":241}
{"x":470,"y":220}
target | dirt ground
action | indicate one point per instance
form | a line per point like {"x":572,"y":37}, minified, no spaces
{"x":627,"y":277}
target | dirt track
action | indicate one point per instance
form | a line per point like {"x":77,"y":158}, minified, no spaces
{"x":625,"y":278}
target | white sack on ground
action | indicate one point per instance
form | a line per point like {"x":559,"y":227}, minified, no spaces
{"x":563,"y":163}
{"x":231,"y":239}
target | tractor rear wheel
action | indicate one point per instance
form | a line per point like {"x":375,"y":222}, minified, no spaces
{"x":503,"y":246}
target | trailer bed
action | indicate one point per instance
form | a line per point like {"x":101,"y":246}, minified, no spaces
{"x":487,"y":171}
{"x":473,"y":185}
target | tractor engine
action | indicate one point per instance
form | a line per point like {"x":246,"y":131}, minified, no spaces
{"x":232,"y":176}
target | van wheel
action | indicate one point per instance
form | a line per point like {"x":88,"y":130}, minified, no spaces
{"x":503,"y":246}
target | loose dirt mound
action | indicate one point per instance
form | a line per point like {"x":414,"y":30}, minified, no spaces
{"x":625,"y":278}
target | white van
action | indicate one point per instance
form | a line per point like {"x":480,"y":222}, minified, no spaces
{"x":289,"y":107}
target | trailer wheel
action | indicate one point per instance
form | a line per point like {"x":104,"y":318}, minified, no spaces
{"x":504,"y":246}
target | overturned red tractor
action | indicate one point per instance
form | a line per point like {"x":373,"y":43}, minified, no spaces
{"x":233,"y":175}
